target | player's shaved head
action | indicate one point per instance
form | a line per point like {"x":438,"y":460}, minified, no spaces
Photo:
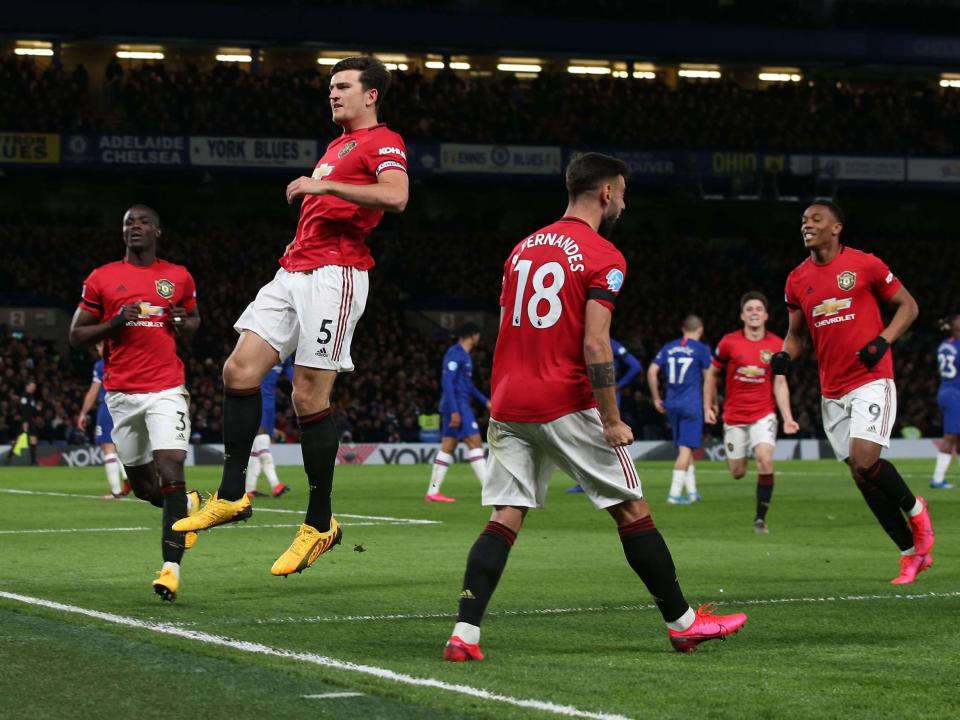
{"x":588,"y":171}
{"x":139,"y":207}
{"x":835,"y":209}
{"x":691,"y":323}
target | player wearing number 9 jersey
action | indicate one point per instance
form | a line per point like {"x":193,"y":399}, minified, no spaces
{"x":554,"y":406}
{"x":948,"y":398}
{"x":833,"y":296}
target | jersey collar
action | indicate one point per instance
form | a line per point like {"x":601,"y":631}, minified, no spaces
{"x":570,"y":218}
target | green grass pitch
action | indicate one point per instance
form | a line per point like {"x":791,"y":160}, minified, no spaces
{"x":571,"y":629}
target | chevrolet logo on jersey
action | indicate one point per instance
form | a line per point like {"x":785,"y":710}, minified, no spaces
{"x":751,"y":371}
{"x":321,"y":171}
{"x":148,"y":311}
{"x":846,"y":280}
{"x":831,"y":306}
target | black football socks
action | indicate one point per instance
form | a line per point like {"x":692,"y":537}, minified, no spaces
{"x":649,"y":556}
{"x":764,"y":494}
{"x":485,"y":564}
{"x":319,"y":442}
{"x":885,"y":476}
{"x":887,"y":513}
{"x":174,"y":508}
{"x":241,"y":420}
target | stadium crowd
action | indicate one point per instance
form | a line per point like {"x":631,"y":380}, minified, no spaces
{"x":397,"y":375}
{"x":226,"y":100}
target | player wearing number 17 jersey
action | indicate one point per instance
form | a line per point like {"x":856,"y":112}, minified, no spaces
{"x":833,"y":296}
{"x":554,"y":406}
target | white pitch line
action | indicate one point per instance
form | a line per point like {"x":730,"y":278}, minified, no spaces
{"x":73,"y":530}
{"x":324,"y":696}
{"x":393,"y":520}
{"x":313,"y":659}
{"x":598,"y":609}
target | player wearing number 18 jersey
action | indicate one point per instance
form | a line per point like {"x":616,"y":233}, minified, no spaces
{"x":554,"y":406}
{"x":834,"y":297}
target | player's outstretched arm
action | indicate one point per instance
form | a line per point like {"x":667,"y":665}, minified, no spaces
{"x":88,"y":400}
{"x":653,"y":382}
{"x":599,"y":360}
{"x":390,"y":193}
{"x":86,"y":329}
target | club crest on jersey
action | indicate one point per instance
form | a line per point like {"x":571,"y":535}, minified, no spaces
{"x":846,"y":280}
{"x":345,"y":150}
{"x":165,"y":289}
{"x":614,"y":280}
{"x":765,"y":356}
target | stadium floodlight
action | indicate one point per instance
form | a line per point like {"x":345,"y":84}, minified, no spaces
{"x":37,"y":51}
{"x":588,"y":70}
{"x":234,"y":57}
{"x":395,"y":66}
{"x":459,"y":65}
{"x":328,"y":61}
{"x":519,"y":68}
{"x":139,"y":55}
{"x":644,"y":75}
{"x":779,"y":74}
{"x":435,"y":65}
{"x":950,"y":80}
{"x":700,"y":72}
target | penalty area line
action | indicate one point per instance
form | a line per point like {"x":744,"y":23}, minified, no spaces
{"x":312,"y":659}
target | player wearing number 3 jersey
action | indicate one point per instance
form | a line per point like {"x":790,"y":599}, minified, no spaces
{"x":554,"y":406}
{"x":833,"y":297}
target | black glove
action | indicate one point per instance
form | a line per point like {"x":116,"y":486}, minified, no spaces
{"x":780,"y":363}
{"x":871,"y":353}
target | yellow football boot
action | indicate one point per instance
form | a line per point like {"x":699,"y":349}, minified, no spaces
{"x":308,"y":545}
{"x":167,"y":584}
{"x":215,"y":512}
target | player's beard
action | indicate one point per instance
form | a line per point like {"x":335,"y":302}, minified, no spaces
{"x":607,"y":225}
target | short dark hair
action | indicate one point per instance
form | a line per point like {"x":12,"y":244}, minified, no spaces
{"x":754,"y":295}
{"x":834,"y":208}
{"x":373,"y":74}
{"x":467,"y":329}
{"x":141,"y":206}
{"x":587,"y":171}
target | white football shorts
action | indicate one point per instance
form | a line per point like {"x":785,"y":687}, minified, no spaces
{"x":868,"y":412}
{"x":144,"y":422}
{"x":523,"y":457}
{"x":738,"y":439}
{"x":312,"y":314}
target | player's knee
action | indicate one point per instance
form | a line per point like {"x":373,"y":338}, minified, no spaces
{"x":240,"y":374}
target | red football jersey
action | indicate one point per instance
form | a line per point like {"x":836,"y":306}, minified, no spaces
{"x":332,"y":231}
{"x":141,"y":357}
{"x":539,"y":373}
{"x":839,"y":303}
{"x":749,"y":382}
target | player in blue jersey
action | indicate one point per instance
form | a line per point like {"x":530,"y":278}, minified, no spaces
{"x":458,"y":421}
{"x":684,"y":362}
{"x":948,"y":397}
{"x":261,"y":459}
{"x":116,"y":475}
{"x":626,"y":367}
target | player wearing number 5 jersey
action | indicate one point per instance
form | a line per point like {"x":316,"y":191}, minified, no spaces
{"x":137,"y":307}
{"x":312,"y":306}
{"x":554,"y":406}
{"x":833,"y":296}
{"x":948,"y":397}
{"x":752,"y":396}
{"x":684,"y":361}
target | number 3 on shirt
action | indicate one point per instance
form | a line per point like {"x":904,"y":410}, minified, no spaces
{"x":541,"y":293}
